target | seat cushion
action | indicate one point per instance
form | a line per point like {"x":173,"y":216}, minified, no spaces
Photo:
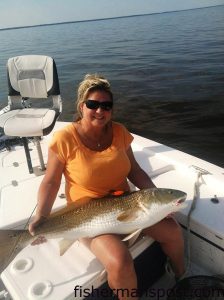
{"x":32,"y":76}
{"x":28,"y":122}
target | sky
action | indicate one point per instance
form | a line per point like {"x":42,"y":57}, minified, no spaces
{"x":16,"y":13}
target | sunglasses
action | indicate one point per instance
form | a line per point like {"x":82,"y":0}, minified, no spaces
{"x":93,"y":104}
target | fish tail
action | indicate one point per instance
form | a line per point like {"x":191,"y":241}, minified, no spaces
{"x":10,"y":246}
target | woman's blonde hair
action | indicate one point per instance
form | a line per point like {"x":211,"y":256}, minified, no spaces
{"x":90,"y":83}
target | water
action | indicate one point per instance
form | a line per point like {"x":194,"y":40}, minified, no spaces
{"x":166,"y":71}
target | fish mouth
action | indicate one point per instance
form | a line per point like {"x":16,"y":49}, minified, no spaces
{"x":180,"y":200}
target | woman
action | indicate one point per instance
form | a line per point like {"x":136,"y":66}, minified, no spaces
{"x":96,"y":158}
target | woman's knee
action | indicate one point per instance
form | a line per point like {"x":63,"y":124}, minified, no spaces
{"x":167,"y":230}
{"x":112,"y":253}
{"x":120,"y":263}
{"x":176,"y":231}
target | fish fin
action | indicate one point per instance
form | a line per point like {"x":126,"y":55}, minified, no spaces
{"x":132,"y":213}
{"x":10,"y":246}
{"x":132,"y":237}
{"x":64,"y":245}
{"x":143,"y":208}
{"x":128,"y":215}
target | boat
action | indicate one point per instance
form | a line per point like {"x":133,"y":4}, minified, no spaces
{"x":40,"y":273}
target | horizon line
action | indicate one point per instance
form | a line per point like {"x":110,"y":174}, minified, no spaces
{"x":103,"y":19}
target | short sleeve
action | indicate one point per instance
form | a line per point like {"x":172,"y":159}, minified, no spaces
{"x":60,"y":145}
{"x":124,"y":137}
{"x":128,"y":138}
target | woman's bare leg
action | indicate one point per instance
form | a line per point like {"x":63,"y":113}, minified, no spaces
{"x":116,"y":258}
{"x":168,"y":233}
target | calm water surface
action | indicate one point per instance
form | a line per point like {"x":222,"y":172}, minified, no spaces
{"x":166,"y":70}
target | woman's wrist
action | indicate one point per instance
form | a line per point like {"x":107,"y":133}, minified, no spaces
{"x":41,"y":215}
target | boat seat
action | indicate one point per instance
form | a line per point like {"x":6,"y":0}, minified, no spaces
{"x":32,"y":81}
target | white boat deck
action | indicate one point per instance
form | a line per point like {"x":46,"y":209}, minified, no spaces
{"x":168,"y":167}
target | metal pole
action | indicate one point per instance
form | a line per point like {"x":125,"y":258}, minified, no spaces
{"x":27,"y":152}
{"x":40,"y":155}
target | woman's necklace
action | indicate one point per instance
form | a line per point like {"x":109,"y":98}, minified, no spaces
{"x":99,"y":144}
{"x":90,"y":141}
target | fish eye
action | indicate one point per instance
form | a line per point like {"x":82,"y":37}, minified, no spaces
{"x":170,"y":192}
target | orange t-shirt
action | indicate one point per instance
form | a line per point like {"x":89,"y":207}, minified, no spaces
{"x":92,"y":174}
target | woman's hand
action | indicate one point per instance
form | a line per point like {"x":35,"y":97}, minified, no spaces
{"x":38,"y":219}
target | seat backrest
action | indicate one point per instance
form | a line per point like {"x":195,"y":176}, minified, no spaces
{"x":32,"y":76}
